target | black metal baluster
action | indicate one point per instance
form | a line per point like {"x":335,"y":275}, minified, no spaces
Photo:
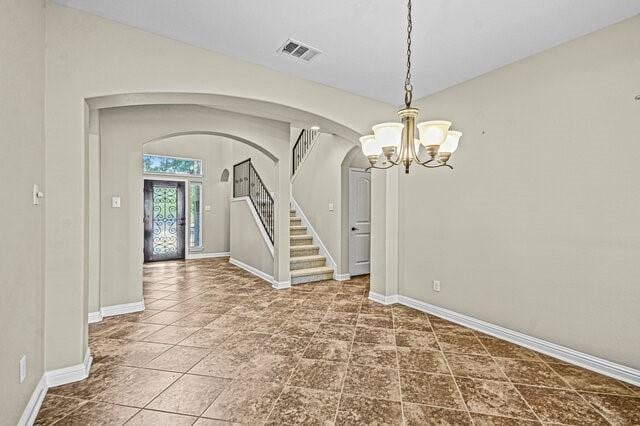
{"x":247,"y":183}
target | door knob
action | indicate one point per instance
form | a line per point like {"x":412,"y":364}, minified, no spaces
{"x":353,"y":228}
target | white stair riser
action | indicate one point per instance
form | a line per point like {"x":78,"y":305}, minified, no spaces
{"x":311,"y":278}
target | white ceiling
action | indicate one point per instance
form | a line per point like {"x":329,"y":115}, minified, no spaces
{"x":363,"y":40}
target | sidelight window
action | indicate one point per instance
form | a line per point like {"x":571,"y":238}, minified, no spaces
{"x":195,"y":213}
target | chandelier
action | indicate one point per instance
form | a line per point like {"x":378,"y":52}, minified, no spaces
{"x":397,"y":143}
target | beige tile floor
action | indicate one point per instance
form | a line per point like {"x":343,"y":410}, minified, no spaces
{"x":219,"y":346}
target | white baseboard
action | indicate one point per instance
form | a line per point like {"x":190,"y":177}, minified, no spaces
{"x":95,"y":317}
{"x":61,"y":376}
{"x":109,"y":311}
{"x":316,"y":238}
{"x":190,"y":256}
{"x":33,"y":406}
{"x":279,"y":285}
{"x":257,"y":272}
{"x":77,"y":372}
{"x":125,"y":308}
{"x":341,"y":277}
{"x":385,"y":300}
{"x":589,"y":362}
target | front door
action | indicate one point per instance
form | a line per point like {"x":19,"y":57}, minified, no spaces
{"x":164,"y":220}
{"x":359,"y":222}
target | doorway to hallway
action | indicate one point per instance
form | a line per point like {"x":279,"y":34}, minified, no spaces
{"x":164,"y":220}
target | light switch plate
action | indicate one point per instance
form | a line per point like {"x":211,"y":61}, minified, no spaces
{"x":115,"y":202}
{"x":37,"y":194}
{"x":23,"y":368}
{"x":330,"y":207}
{"x":207,"y":208}
{"x":436,"y":285}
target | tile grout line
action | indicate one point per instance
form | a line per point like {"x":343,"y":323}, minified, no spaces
{"x":606,"y":418}
{"x":293,"y":370}
{"x":542,"y":361}
{"x":453,"y":378}
{"x":510,"y":381}
{"x":171,"y":384}
{"x":395,"y":345}
{"x":346,"y":373}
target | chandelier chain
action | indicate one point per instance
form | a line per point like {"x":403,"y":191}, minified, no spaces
{"x":408,"y":87}
{"x":398,"y":143}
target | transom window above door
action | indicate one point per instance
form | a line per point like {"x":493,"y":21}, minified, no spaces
{"x":165,"y":165}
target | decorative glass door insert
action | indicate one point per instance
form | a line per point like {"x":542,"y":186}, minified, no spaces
{"x":164,"y":220}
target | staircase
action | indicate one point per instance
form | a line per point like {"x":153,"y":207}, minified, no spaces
{"x":306,"y":263}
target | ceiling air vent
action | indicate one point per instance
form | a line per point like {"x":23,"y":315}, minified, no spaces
{"x":299,"y":50}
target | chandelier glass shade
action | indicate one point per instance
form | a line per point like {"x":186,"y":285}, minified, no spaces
{"x":396,"y":143}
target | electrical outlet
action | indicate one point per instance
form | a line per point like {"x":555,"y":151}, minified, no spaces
{"x":436,"y":285}
{"x":23,"y":368}
{"x":115,"y":202}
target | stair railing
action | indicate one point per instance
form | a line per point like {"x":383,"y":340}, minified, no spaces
{"x":301,"y":147}
{"x":247,"y":183}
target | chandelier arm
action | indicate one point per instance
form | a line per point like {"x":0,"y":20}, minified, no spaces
{"x":379,"y":168}
{"x":414,"y":153}
{"x":425,"y":164}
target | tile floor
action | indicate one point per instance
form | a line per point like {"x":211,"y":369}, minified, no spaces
{"x":219,"y":346}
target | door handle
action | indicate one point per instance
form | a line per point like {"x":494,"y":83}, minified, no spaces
{"x":353,"y":228}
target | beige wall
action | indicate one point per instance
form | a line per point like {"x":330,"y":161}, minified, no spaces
{"x":247,"y":243}
{"x":317,"y":183}
{"x":537,"y":228}
{"x":88,"y":56}
{"x":21,"y":165}
{"x":123,"y":132}
{"x":215,"y":153}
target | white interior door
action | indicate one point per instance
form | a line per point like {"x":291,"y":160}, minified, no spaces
{"x":359,"y":222}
